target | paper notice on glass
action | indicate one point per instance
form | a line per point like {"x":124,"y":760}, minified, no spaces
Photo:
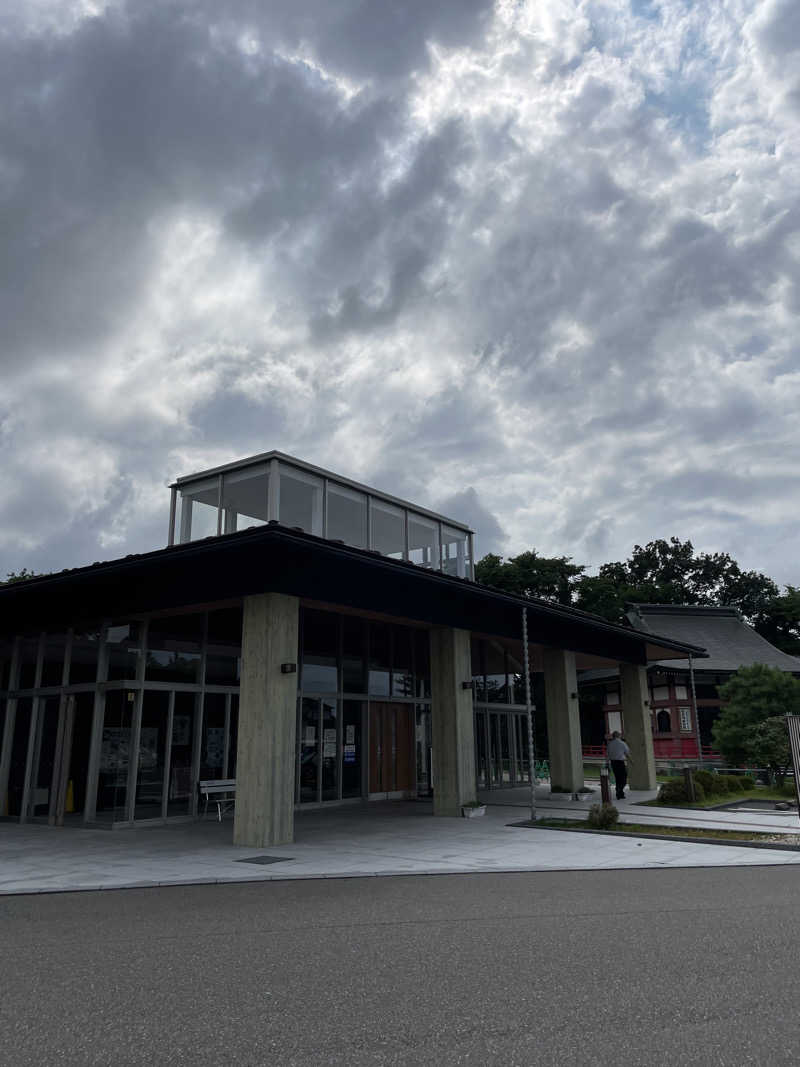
{"x":329,"y":735}
{"x":350,"y":737}
{"x":349,"y":753}
{"x":329,"y":750}
{"x":310,"y":735}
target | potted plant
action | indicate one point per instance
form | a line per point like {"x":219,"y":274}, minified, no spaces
{"x":473,"y":809}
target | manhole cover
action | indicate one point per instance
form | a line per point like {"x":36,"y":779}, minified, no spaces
{"x":264,"y":860}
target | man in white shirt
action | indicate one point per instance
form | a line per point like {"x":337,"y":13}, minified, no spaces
{"x":618,"y":752}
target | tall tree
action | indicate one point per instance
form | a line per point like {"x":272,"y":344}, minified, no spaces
{"x":669,"y":572}
{"x":531,"y":575}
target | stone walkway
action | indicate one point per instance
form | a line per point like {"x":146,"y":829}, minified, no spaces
{"x":391,"y":838}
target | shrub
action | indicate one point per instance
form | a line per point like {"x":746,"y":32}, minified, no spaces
{"x":732,"y":782}
{"x":603,"y":816}
{"x":674,"y":792}
{"x":706,"y":780}
{"x":747,"y":782}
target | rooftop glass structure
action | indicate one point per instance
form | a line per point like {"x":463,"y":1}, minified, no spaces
{"x":276,"y":487}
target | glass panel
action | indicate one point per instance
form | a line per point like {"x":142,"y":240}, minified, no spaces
{"x":6,"y":650}
{"x":347,"y":516}
{"x":402,"y":657}
{"x":422,"y":662}
{"x":494,"y":751}
{"x":212,"y":742}
{"x":53,"y":661}
{"x":496,"y":691}
{"x":115,"y":754}
{"x":83,"y":659}
{"x":478,"y":656}
{"x":354,"y":652}
{"x":179,"y":798}
{"x":244,"y":498}
{"x":505,"y":750}
{"x":199,"y":510}
{"x":379,"y":659}
{"x":233,"y":736}
{"x":152,"y":749}
{"x":330,"y":751}
{"x":351,"y":748}
{"x":44,"y":756}
{"x":522,"y":748}
{"x":480,"y":749}
{"x":224,"y":648}
{"x":83,"y":708}
{"x":423,"y":749}
{"x":455,"y":552}
{"x":388,"y":529}
{"x":300,"y":501}
{"x":123,"y":644}
{"x":173,"y":649}
{"x":320,"y":651}
{"x":309,"y":750}
{"x":423,"y":541}
{"x":28,"y":653}
{"x":19,"y":756}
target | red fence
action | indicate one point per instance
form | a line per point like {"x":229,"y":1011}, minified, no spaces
{"x":664,"y":748}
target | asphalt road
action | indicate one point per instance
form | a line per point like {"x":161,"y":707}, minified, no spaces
{"x":630,"y":967}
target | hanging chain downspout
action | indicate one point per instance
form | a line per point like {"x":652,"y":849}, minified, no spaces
{"x":694,"y":711}
{"x":529,"y":709}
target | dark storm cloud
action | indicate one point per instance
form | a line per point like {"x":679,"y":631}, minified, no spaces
{"x":535,"y":265}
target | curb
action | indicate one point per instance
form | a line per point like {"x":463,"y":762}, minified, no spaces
{"x":730,"y":843}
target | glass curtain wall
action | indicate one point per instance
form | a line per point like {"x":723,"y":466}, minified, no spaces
{"x":237,"y":499}
{"x":349,"y":664}
{"x":502,"y":758}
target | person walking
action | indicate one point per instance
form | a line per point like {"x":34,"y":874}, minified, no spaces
{"x":619,"y":755}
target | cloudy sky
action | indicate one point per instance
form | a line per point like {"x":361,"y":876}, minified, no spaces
{"x":535,"y":264}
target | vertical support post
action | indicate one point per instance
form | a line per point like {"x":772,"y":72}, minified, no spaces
{"x":265,"y":763}
{"x":452,"y":721}
{"x":638,"y":731}
{"x":173,"y":503}
{"x":526,"y":666}
{"x":563,"y":721}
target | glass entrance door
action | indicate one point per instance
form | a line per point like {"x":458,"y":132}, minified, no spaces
{"x":48,"y":739}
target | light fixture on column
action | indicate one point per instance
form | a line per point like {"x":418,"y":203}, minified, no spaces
{"x":288,"y":668}
{"x":466,"y":685}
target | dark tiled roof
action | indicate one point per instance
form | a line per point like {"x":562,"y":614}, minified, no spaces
{"x":727,"y":638}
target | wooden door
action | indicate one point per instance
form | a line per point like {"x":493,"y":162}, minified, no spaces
{"x":391,"y":748}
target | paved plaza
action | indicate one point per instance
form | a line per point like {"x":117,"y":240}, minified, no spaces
{"x":390,"y":838}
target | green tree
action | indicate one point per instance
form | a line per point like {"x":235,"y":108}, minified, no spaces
{"x":669,"y":572}
{"x":20,"y":576}
{"x":531,"y":575}
{"x":752,"y":697}
{"x":779,"y":621}
{"x":768,"y":745}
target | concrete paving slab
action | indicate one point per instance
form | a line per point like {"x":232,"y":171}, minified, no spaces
{"x":384,"y":839}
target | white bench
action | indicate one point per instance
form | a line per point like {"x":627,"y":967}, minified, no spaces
{"x":220,"y":791}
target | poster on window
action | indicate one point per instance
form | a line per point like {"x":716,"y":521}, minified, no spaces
{"x":182,"y":730}
{"x":215,"y":745}
{"x":115,"y":753}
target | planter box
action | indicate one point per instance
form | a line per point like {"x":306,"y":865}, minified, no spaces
{"x":473,"y":813}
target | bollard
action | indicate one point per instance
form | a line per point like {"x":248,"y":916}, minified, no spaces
{"x":605,"y":792}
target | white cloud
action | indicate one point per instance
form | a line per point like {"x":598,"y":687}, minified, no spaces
{"x":539,"y":261}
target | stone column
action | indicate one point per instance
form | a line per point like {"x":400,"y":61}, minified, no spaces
{"x":636,"y":721}
{"x":265,"y":761}
{"x":453,"y":735}
{"x":563,"y":720}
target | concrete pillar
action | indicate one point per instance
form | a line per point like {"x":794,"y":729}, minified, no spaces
{"x":265,"y":761}
{"x":563,"y":720}
{"x":636,"y":720}
{"x":453,"y":738}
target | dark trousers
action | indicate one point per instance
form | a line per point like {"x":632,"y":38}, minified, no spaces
{"x":620,"y":776}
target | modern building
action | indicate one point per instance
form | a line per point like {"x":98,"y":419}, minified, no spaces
{"x":683,"y":694}
{"x":317,"y":640}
